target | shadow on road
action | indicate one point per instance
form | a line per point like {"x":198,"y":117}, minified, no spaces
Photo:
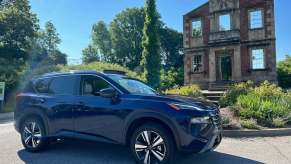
{"x":73,"y":151}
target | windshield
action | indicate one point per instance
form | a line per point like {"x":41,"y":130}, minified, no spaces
{"x":133,"y":85}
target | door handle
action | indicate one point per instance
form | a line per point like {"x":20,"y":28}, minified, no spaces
{"x":41,"y":100}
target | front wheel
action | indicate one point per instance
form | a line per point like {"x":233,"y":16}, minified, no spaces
{"x":152,"y":144}
{"x":32,"y":135}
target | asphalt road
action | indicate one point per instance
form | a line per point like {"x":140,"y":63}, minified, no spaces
{"x":275,"y":150}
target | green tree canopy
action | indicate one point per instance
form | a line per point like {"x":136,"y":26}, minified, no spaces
{"x":126,"y":34}
{"x":284,"y":72}
{"x":48,"y":39}
{"x":171,"y":48}
{"x":18,"y":26}
{"x":90,"y":54}
{"x":151,"y":58}
{"x":51,"y":38}
{"x":101,"y":39}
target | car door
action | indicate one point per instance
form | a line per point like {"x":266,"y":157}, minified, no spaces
{"x":61,"y":101}
{"x":97,"y":116}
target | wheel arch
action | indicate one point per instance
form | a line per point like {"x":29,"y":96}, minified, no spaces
{"x":150,"y":118}
{"x":33,"y":112}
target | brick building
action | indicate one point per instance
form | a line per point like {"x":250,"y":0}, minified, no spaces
{"x":230,"y":41}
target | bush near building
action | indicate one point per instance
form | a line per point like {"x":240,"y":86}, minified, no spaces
{"x":267,"y":103}
{"x":231,"y":95}
{"x":191,"y":91}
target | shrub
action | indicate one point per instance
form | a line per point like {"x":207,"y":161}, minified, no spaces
{"x":191,"y":91}
{"x":231,"y":95}
{"x":268,"y":90}
{"x":249,"y":124}
{"x":264,"y":103}
{"x":279,"y":123}
{"x":171,"y":78}
{"x":101,"y":66}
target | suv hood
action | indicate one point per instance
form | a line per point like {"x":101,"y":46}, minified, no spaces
{"x":198,"y":102}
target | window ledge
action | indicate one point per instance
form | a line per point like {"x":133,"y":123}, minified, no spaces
{"x":256,"y":70}
{"x":200,"y":72}
{"x":197,"y":37}
{"x":256,"y":29}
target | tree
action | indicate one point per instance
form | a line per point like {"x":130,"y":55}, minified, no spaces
{"x":18,"y":26}
{"x":171,"y":46}
{"x":90,"y":55}
{"x":60,"y":58}
{"x":126,"y":32}
{"x":51,"y":38}
{"x":101,"y":39}
{"x":284,"y":72}
{"x":151,"y":59}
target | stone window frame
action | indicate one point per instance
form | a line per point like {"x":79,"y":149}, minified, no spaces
{"x":201,"y":24}
{"x":201,"y":69}
{"x":250,"y":21}
{"x":230,"y":21}
{"x":251,"y":58}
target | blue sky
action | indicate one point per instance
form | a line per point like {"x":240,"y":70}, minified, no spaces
{"x":74,"y":19}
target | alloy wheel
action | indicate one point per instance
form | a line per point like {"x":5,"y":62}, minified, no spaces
{"x":32,"y":134}
{"x":150,"y":147}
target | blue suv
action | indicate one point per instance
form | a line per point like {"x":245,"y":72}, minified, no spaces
{"x":114,"y":108}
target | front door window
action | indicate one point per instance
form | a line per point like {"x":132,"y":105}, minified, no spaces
{"x":92,"y":85}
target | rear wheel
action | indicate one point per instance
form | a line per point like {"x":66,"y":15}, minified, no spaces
{"x":152,"y":144}
{"x":32,"y":135}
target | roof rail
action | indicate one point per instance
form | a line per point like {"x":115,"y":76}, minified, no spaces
{"x":114,"y":72}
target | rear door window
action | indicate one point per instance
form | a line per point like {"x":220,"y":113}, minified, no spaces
{"x":63,"y":85}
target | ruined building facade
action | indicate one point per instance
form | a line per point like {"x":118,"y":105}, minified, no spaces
{"x":230,"y":41}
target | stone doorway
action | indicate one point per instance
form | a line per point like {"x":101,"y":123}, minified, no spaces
{"x":224,"y":68}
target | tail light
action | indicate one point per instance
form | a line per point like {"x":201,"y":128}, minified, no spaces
{"x":18,"y":94}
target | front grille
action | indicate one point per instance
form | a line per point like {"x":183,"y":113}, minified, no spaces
{"x":215,"y":117}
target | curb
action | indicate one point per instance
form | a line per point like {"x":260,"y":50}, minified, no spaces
{"x":6,"y":116}
{"x":257,"y":133}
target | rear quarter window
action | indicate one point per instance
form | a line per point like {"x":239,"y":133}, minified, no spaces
{"x":42,"y":85}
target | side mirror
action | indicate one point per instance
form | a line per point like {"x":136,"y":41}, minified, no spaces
{"x":108,"y":93}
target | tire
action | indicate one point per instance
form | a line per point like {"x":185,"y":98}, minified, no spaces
{"x":153,"y":134}
{"x":32,"y":133}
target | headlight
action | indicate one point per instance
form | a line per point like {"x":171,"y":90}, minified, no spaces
{"x":177,"y":106}
{"x":200,"y":120}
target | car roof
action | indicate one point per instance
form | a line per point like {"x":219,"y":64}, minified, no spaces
{"x":79,"y":72}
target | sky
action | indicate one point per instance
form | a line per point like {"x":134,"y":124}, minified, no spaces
{"x":74,"y":19}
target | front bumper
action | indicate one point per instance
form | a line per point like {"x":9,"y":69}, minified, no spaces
{"x":202,"y":143}
{"x":212,"y":143}
{"x":200,"y":138}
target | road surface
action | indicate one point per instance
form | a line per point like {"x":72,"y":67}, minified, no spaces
{"x":275,"y":150}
